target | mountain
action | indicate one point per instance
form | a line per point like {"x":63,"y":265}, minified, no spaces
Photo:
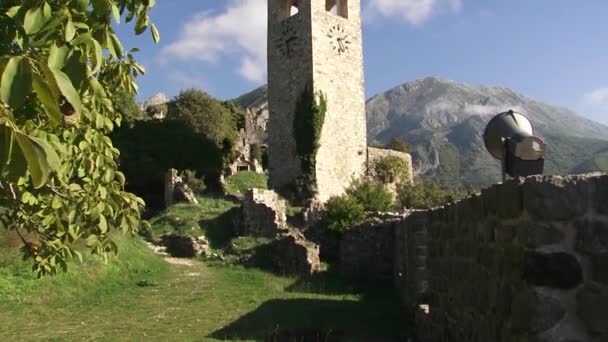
{"x":443,"y":121}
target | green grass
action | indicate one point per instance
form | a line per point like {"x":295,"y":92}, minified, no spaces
{"x":199,"y":302}
{"x":140,"y":297}
{"x":238,"y":183}
{"x":206,"y":218}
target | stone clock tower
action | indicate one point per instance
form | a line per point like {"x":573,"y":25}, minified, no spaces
{"x":317,"y":43}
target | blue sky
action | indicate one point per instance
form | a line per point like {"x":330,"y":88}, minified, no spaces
{"x":553,"y":50}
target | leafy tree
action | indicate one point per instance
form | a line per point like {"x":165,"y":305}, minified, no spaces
{"x":342,"y":212}
{"x":216,"y":120}
{"x":372,"y":195}
{"x":58,"y":172}
{"x":390,"y":169}
{"x":426,"y":195}
{"x":397,"y":144}
{"x":125,"y":104}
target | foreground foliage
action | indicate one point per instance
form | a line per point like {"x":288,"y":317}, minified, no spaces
{"x":59,"y":62}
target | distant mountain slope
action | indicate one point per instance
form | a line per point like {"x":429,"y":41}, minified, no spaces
{"x":444,"y":121}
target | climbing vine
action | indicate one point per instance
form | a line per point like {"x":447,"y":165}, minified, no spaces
{"x":307,"y":125}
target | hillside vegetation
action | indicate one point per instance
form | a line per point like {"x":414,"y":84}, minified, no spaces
{"x":139,"y":296}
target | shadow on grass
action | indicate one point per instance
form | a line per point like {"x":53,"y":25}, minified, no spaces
{"x":330,"y":282}
{"x":318,"y":320}
{"x":221,"y":229}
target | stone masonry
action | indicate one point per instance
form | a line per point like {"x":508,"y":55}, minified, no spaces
{"x":525,"y":260}
{"x":322,"y":49}
{"x":264,"y":213}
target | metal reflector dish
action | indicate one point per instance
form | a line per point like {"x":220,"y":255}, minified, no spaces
{"x":503,"y":126}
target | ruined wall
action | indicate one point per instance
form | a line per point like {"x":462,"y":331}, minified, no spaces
{"x":367,"y":250}
{"x":264,"y":213}
{"x":526,"y":260}
{"x":374,"y":154}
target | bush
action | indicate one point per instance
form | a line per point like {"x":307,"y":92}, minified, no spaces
{"x":425,"y":196}
{"x":196,"y":184}
{"x":342,"y":213}
{"x":397,"y":144}
{"x":150,"y":148}
{"x":390,"y":169}
{"x":373,"y":196}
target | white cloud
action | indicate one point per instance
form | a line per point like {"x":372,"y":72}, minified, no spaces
{"x":490,"y":109}
{"x":185,"y":80}
{"x":415,"y":12}
{"x":240,"y":28}
{"x":598,"y":98}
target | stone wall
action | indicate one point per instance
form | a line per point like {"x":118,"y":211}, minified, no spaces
{"x":264,"y":213}
{"x":526,"y":260}
{"x":522,"y":260}
{"x":366,"y":251}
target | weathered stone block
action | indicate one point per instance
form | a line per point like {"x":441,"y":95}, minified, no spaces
{"x":556,"y":198}
{"x":601,"y":195}
{"x":293,"y":254}
{"x":490,"y":200}
{"x":600,"y":268}
{"x":509,"y":199}
{"x":591,"y":236}
{"x":593,"y":309}
{"x":543,"y":234}
{"x":264,"y":213}
{"x":544,"y":312}
{"x":557,"y":270}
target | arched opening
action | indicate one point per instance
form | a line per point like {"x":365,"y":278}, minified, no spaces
{"x":337,"y":7}
{"x":288,"y":9}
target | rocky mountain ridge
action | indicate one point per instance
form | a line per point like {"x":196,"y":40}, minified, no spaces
{"x":443,"y":121}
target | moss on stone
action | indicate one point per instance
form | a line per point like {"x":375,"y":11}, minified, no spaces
{"x":308,"y":121}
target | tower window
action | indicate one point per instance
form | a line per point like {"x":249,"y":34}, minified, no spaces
{"x":289,"y":8}
{"x":337,"y":7}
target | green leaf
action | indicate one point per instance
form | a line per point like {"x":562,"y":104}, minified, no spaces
{"x":70,"y":30}
{"x":67,"y":89}
{"x":58,"y":57}
{"x":36,"y":159}
{"x":34,"y":20}
{"x":155,"y":33}
{"x":47,"y":13}
{"x":116,"y":13}
{"x":56,"y":202}
{"x":52,"y":158}
{"x":11,"y":157}
{"x":12,"y":12}
{"x":48,"y":100}
{"x":97,"y":54}
{"x":116,"y":45}
{"x":142,"y":23}
{"x":92,"y":240}
{"x":103,"y":224}
{"x":16,"y":82}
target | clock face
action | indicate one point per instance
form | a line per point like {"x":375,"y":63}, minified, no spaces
{"x":288,"y":41}
{"x":339,"y":40}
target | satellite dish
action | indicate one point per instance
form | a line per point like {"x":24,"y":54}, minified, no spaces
{"x":509,"y":137}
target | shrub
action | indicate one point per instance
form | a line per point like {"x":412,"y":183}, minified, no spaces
{"x":397,"y":144}
{"x":342,"y":213}
{"x":372,"y":195}
{"x":390,"y":169}
{"x":196,"y":184}
{"x":425,"y":196}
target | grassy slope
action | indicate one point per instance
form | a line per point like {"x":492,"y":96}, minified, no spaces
{"x":240,"y":182}
{"x":140,"y":297}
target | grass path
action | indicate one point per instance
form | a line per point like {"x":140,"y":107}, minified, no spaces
{"x":140,"y":301}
